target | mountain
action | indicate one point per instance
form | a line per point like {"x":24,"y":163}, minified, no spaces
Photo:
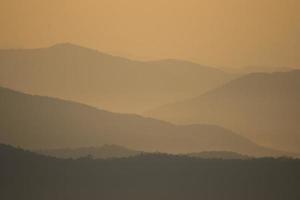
{"x":226,"y":155}
{"x":28,"y":176}
{"x":263,"y":107}
{"x":116,"y":151}
{"x":108,"y":82}
{"x":102,"y":152}
{"x":38,"y":122}
{"x":258,"y":69}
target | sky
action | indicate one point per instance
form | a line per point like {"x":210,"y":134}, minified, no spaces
{"x":221,"y":33}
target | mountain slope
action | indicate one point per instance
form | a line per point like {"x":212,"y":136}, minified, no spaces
{"x":264,"y":107}
{"x":84,"y":75}
{"x":43,"y":122}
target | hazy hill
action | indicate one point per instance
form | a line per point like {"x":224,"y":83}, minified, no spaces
{"x":258,"y":69}
{"x":84,"y":75}
{"x":264,"y":107}
{"x":27,"y":176}
{"x":42,"y":122}
{"x":219,"y":155}
{"x":116,"y":151}
{"x":101,"y":152}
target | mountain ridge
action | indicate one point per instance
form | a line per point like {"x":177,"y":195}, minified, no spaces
{"x":114,"y":83}
{"x":43,"y":122}
{"x":262,"y":106}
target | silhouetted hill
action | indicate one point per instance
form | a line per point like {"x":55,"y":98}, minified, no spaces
{"x":9,"y":152}
{"x":108,"y":82}
{"x":103,"y":152}
{"x":26,"y":176}
{"x":263,"y":107}
{"x":38,"y":122}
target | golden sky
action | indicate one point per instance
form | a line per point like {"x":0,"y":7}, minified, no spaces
{"x":226,"y":33}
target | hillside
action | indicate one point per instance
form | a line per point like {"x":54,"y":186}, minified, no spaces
{"x":113,"y":83}
{"x":27,"y":176}
{"x":264,"y":107}
{"x":38,"y":122}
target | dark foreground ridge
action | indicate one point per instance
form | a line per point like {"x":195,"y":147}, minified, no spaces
{"x":29,"y":176}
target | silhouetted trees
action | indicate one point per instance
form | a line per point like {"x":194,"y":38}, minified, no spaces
{"x":29,"y":176}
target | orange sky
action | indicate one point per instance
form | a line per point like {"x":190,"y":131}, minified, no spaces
{"x":232,"y":33}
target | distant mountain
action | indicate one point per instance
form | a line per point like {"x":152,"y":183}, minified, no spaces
{"x":28,"y":176}
{"x":116,"y":151}
{"x":264,"y":107}
{"x":38,"y":122}
{"x":102,"y":152}
{"x":226,"y":155}
{"x":84,"y":75}
{"x":258,"y":69}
